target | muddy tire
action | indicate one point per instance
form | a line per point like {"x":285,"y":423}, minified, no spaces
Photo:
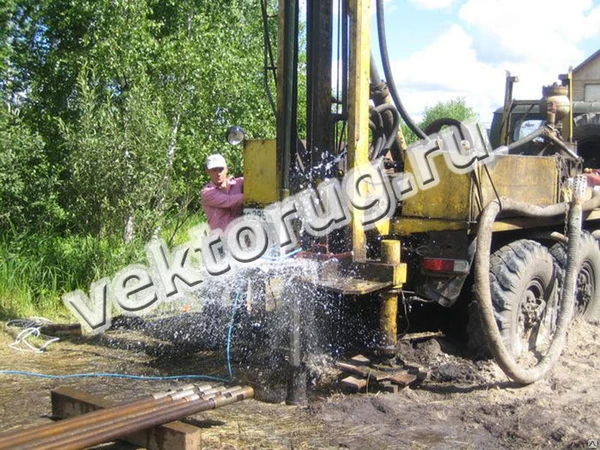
{"x":586,"y":132}
{"x":522,"y":283}
{"x":587,"y":296}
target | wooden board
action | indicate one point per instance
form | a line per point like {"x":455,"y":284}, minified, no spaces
{"x":354,"y":383}
{"x":380,"y":377}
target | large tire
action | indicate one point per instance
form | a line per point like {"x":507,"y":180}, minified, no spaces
{"x":587,"y":296}
{"x":586,"y":132}
{"x":522,"y":284}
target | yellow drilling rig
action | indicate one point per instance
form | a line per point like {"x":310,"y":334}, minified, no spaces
{"x":511,"y":228}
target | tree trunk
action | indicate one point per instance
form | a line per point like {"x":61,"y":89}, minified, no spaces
{"x":129,"y":229}
{"x":160,"y":205}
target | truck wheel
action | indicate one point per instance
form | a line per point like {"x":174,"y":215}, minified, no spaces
{"x":586,"y":132}
{"x":587,"y":296}
{"x":523,"y":292}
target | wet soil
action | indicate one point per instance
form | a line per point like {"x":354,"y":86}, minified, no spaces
{"x":464,"y":404}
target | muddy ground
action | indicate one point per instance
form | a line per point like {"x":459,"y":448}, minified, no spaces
{"x":464,"y":404}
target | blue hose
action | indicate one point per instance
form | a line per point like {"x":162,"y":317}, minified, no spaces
{"x":236,"y":300}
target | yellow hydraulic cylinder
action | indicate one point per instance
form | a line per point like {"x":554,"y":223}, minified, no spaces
{"x":388,"y":322}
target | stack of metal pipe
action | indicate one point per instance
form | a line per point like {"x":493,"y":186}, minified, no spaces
{"x":108,"y":424}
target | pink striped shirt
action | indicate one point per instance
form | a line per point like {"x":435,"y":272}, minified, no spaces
{"x":222,"y":207}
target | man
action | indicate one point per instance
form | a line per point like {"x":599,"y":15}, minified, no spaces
{"x":593,"y":177}
{"x":222,"y":197}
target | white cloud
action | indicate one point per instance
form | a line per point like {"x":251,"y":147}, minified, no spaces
{"x":543,"y":32}
{"x":535,"y":40}
{"x":432,"y":4}
{"x":445,"y":70}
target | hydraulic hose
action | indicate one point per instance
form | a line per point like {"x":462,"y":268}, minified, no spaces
{"x":547,"y":133}
{"x":482,"y":280}
{"x":385,"y":129}
{"x":380,"y":94}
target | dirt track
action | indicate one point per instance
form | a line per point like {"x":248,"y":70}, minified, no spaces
{"x":462,"y":405}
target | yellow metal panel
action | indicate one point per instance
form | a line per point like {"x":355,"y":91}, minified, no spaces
{"x":449,"y":200}
{"x":517,"y":223}
{"x":261,"y":180}
{"x":456,"y":200}
{"x":531,"y":179}
{"x":405,"y":226}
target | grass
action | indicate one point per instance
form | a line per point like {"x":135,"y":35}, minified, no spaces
{"x":36,"y":270}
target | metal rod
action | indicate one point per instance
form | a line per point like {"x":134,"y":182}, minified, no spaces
{"x":180,"y":398}
{"x":192,"y":406}
{"x":296,"y":383}
{"x":108,"y":427}
{"x":124,"y":408}
{"x":562,"y":145}
{"x":286,"y":123}
{"x":48,"y":432}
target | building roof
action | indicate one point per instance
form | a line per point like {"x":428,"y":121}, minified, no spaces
{"x":595,"y":55}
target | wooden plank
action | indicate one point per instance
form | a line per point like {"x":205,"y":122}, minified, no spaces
{"x":68,"y":402}
{"x":357,"y":370}
{"x":402,"y":379}
{"x":354,"y":383}
{"x":423,"y":335}
{"x":387,"y":367}
{"x":363,"y":371}
{"x":360,"y":360}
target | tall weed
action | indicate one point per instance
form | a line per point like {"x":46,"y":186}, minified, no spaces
{"x":36,"y":270}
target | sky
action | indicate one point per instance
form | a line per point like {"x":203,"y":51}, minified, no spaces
{"x":444,"y":49}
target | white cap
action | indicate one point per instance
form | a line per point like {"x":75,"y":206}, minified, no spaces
{"x":213,"y":161}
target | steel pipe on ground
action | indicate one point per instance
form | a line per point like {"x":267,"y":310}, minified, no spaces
{"x":47,"y":436}
{"x":157,"y":408}
{"x":12,"y":438}
{"x":122,"y":428}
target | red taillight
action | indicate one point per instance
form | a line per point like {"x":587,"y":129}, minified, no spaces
{"x":445,"y":265}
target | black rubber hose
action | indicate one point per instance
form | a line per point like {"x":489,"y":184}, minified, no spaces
{"x":378,"y":139}
{"x":392,"y":133}
{"x":388,"y":73}
{"x":482,"y":283}
{"x":380,"y":94}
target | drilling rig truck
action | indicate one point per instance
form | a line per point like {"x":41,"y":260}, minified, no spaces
{"x":509,"y":225}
